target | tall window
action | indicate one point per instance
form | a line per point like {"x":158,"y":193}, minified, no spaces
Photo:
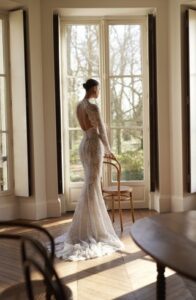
{"x":4,"y":157}
{"x":82,"y":62}
{"x":111,"y":52}
{"x":126,"y":98}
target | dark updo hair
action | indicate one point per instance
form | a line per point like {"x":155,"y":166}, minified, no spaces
{"x":89,"y":84}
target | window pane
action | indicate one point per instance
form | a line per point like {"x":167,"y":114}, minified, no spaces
{"x":75,"y":93}
{"x":83,"y":50}
{"x":76,"y":169}
{"x":126,"y":102}
{"x":3,"y":162}
{"x":2,"y":104}
{"x":127,"y":144}
{"x":125,"y":49}
{"x":1,"y":48}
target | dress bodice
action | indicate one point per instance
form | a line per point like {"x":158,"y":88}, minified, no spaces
{"x":94,"y":116}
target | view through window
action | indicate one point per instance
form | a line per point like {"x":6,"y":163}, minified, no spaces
{"x":82,"y":43}
{"x":112,"y":54}
{"x":126,"y":99}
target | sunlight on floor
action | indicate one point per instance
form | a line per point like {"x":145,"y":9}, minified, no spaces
{"x":57,"y":223}
{"x":125,"y":275}
{"x":122,"y":275}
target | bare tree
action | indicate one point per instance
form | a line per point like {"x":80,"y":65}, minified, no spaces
{"x":125,"y":57}
{"x":125,"y":77}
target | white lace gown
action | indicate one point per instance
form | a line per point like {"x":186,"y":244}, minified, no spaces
{"x":91,"y":233}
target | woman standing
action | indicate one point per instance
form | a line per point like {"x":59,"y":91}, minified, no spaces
{"x":91,"y":233}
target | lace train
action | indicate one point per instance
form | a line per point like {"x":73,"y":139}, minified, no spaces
{"x":85,"y":250}
{"x":91,"y":233}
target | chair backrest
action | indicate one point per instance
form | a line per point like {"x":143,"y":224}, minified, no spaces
{"x":51,"y":282}
{"x":35,"y":227}
{"x":114,"y":163}
{"x":54,"y":287}
{"x":27,"y":236}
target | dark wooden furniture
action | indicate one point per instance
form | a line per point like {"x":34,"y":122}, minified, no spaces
{"x":171,"y":240}
{"x":34,"y":256}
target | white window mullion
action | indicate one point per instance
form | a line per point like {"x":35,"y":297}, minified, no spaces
{"x":104,"y":54}
{"x":104,"y":69}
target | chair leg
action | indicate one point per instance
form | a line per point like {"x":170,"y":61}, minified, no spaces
{"x":113,"y":212}
{"x":120,"y":213}
{"x":132,"y":209}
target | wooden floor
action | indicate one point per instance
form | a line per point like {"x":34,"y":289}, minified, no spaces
{"x":123,"y":275}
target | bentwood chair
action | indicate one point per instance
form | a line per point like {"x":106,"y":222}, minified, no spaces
{"x":54,"y":287}
{"x":34,"y":257}
{"x":117,"y":192}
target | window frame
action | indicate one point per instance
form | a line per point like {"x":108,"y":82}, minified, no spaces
{"x":65,"y":115}
{"x":103,"y":23}
{"x":10,"y":184}
{"x":144,"y":76}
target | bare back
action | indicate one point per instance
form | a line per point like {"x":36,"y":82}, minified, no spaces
{"x":83,"y":118}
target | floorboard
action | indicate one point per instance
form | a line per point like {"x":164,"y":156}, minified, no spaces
{"x":130,"y":274}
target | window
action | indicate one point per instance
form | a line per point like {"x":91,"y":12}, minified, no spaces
{"x":4,"y":96}
{"x":82,"y":61}
{"x":126,"y":98}
{"x":115,"y":53}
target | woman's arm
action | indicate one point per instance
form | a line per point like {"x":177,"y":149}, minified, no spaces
{"x":103,"y":135}
{"x":95,"y":118}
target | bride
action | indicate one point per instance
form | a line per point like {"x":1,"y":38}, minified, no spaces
{"x":91,"y":233}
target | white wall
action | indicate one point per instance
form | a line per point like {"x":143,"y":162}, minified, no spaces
{"x":175,"y":107}
{"x":36,"y":206}
{"x":44,"y":201}
{"x":180,"y":199}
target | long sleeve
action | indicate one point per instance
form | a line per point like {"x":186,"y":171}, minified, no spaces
{"x":96,"y":120}
{"x":103,"y":133}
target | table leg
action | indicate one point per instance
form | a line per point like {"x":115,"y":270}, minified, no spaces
{"x":161,"y":295}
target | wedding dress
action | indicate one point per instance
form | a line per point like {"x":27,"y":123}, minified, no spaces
{"x":91,"y":233}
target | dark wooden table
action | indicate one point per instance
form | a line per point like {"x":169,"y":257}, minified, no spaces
{"x":171,"y":240}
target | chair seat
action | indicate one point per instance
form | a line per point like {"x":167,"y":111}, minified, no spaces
{"x":18,"y":291}
{"x":113,"y":190}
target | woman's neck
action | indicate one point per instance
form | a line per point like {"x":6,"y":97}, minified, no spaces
{"x":88,"y":98}
{"x":89,"y":95}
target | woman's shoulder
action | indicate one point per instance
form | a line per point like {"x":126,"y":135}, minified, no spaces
{"x":87,"y":106}
{"x":93,"y":107}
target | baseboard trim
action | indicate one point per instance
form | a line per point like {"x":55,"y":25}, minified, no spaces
{"x":9,"y":211}
{"x":32,"y":210}
{"x":54,"y":208}
{"x":159,"y":202}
